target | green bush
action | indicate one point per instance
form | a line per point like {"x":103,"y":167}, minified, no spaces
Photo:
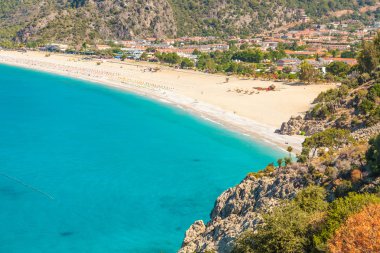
{"x":330,"y":138}
{"x":374,"y":92}
{"x":311,"y":199}
{"x":187,"y":63}
{"x":320,"y":111}
{"x":338,"y":68}
{"x":366,"y":106}
{"x":343,"y":188}
{"x":373,"y":155}
{"x":269,"y":168}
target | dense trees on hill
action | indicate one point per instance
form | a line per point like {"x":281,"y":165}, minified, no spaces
{"x":338,"y":68}
{"x":369,"y":57}
{"x":249,"y":55}
{"x":308,"y":73}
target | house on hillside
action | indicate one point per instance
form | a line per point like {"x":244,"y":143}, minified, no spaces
{"x":269,"y":44}
{"x":291,"y":62}
{"x":349,"y":61}
{"x":301,"y":53}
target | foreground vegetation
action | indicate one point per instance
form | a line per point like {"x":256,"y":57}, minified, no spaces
{"x":309,"y":223}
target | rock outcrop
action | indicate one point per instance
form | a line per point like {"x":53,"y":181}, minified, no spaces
{"x":298,"y":125}
{"x":239,"y":209}
{"x":366,"y":133}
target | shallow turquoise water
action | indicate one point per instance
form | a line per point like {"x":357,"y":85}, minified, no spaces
{"x":102,"y":170}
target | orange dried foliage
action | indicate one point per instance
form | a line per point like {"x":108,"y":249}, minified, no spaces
{"x":356,"y":175}
{"x":359,"y":234}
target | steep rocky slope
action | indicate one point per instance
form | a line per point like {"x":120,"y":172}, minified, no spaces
{"x":239,"y":208}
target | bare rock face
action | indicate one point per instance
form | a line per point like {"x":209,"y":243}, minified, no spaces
{"x":292,"y":127}
{"x":298,"y":125}
{"x":196,"y":229}
{"x":240,"y":207}
{"x":367,"y":133}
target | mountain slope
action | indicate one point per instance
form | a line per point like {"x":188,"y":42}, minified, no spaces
{"x":78,"y":20}
{"x":216,"y":17}
{"x":68,"y":20}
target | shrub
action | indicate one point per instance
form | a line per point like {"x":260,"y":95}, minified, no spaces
{"x":373,"y":155}
{"x":332,"y":94}
{"x":338,"y":68}
{"x":374,"y":117}
{"x":256,"y":175}
{"x":320,"y":111}
{"x":356,"y":175}
{"x":311,"y":199}
{"x":338,"y":212}
{"x":289,"y":227}
{"x":288,"y":160}
{"x":369,"y":57}
{"x":279,"y":162}
{"x":331,"y":172}
{"x":269,"y":168}
{"x":343,"y":188}
{"x":302,"y":158}
{"x":360,"y":233}
{"x":374,"y":92}
{"x":330,"y":138}
{"x":366,"y":106}
{"x":308,"y":73}
{"x":187,"y":63}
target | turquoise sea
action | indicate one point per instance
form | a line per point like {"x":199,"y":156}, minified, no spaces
{"x":85,"y":168}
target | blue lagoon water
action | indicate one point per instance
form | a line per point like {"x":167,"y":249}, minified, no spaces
{"x":85,"y":168}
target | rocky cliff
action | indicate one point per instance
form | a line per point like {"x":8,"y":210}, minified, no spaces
{"x":239,"y":209}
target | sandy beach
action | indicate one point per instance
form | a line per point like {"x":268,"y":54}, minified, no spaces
{"x":236,"y":104}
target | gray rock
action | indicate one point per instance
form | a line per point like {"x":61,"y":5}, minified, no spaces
{"x":297,"y":125}
{"x":239,"y":209}
{"x":367,"y":133}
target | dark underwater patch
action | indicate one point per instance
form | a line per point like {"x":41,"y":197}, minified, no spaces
{"x":66,"y":233}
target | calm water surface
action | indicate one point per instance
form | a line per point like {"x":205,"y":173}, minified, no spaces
{"x":84,"y":168}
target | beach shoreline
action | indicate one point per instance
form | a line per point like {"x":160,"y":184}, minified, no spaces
{"x":164,"y":89}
